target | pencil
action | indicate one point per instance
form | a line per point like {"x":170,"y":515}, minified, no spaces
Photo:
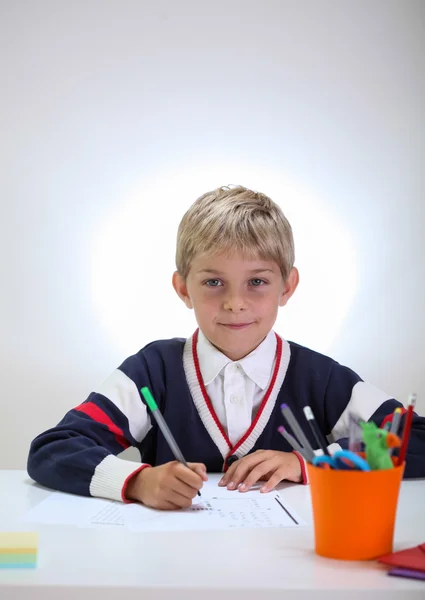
{"x":407,"y":427}
{"x":165,"y":430}
{"x":315,"y":429}
{"x":297,"y":431}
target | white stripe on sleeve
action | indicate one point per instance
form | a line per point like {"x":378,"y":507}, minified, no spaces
{"x":123,"y":392}
{"x":365,"y":400}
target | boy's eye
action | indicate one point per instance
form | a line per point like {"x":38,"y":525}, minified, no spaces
{"x":213,"y":282}
{"x":257,"y":282}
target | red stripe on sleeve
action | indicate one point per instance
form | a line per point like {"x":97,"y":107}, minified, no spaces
{"x":100,"y":416}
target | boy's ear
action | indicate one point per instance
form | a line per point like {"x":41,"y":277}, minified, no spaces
{"x":179,"y":284}
{"x":290,"y":286}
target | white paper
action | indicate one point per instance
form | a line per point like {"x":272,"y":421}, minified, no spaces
{"x":263,"y":510}
{"x":218,"y":508}
{"x":67,"y":509}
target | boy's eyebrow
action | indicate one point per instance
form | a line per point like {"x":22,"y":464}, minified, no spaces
{"x":215,"y":272}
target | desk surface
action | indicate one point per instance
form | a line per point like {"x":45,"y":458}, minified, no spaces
{"x":239,"y":564}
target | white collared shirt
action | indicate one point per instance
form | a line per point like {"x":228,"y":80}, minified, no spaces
{"x":236,"y":388}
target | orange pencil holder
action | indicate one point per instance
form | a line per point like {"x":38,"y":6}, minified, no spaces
{"x":354,"y":512}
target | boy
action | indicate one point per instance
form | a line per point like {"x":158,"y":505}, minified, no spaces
{"x":220,"y":390}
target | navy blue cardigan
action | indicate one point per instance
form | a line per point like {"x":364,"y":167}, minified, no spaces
{"x":66,"y":456}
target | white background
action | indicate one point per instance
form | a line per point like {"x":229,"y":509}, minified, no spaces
{"x":116,"y":115}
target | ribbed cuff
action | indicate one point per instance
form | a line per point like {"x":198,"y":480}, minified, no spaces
{"x":111,"y":476}
{"x":303,"y":467}
{"x":332,"y":448}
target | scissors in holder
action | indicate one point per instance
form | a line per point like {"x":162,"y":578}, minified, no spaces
{"x":342,"y":460}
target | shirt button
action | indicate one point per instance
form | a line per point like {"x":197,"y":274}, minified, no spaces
{"x":234,"y":399}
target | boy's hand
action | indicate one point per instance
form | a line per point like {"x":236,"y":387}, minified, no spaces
{"x":168,"y":486}
{"x":269,"y":465}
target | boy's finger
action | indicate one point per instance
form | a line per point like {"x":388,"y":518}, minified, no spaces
{"x":258,"y":472}
{"x":182,"y":488}
{"x":254,"y":459}
{"x":242,"y":469}
{"x":188,"y":476}
{"x":200,"y":469}
{"x":229,"y":476}
{"x":178,"y":499}
{"x":165,"y":505}
{"x":278,"y":476}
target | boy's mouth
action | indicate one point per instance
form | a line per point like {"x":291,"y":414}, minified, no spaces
{"x":236,"y":325}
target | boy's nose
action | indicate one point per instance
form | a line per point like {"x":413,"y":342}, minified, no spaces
{"x":234,"y":303}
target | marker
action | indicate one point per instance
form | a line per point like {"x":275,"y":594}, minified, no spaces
{"x":355,"y":434}
{"x":165,"y":430}
{"x":292,"y":441}
{"x":297,"y":431}
{"x":407,"y":427}
{"x":395,"y":423}
{"x":315,"y":429}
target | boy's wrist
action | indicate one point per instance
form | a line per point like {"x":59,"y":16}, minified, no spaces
{"x":132,"y":490}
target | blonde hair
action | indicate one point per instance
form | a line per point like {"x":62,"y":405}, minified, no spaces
{"x":235,"y":219}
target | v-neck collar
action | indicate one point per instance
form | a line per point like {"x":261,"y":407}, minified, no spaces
{"x":257,"y":365}
{"x":206,"y":410}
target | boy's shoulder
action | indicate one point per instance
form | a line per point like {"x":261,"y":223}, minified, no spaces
{"x":162,"y":349}
{"x":154,"y":358}
{"x":306,"y":359}
{"x":300,"y":352}
{"x":164,"y":344}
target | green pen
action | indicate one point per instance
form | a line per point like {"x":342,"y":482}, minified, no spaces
{"x":165,"y":430}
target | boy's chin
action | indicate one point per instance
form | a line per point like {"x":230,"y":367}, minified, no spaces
{"x":233,"y":345}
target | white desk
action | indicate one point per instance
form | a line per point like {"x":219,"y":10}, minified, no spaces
{"x":270,"y":564}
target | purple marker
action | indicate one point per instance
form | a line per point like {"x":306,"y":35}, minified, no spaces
{"x":297,"y":431}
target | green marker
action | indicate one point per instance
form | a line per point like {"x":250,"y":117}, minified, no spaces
{"x":165,"y":430}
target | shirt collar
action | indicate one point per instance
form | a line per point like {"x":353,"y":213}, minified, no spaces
{"x":211,"y":360}
{"x":257,"y":365}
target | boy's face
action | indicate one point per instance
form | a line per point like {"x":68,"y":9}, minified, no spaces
{"x":235,"y":299}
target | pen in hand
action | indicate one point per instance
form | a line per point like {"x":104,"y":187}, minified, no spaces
{"x":165,"y":430}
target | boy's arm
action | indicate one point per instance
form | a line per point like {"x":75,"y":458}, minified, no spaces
{"x":79,"y":454}
{"x":347,"y":395}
